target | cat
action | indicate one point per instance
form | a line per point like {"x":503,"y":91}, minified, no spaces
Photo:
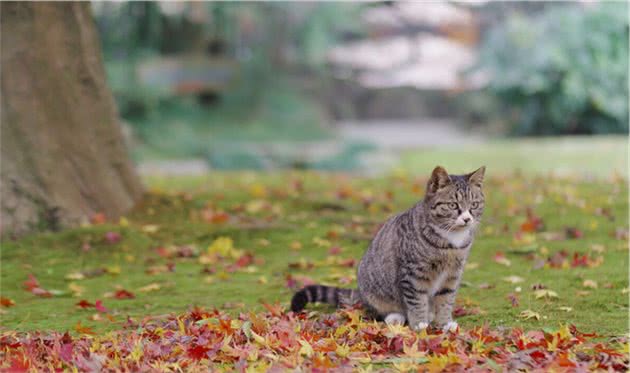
{"x":413,"y":267}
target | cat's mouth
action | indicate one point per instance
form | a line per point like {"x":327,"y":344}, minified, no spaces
{"x":461,"y":227}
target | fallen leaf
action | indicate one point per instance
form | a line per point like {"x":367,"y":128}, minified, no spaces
{"x":6,"y":302}
{"x":513,"y":279}
{"x":81,"y":329}
{"x":75,"y":276}
{"x":123,"y":294}
{"x":545,"y":293}
{"x":500,"y":258}
{"x":99,"y":306}
{"x":472,"y":265}
{"x":76,"y":290}
{"x":529,"y":314}
{"x":590,"y":284}
{"x":114,"y":270}
{"x":154,"y":286}
{"x":84,"y":304}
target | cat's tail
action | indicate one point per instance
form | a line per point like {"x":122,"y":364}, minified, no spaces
{"x":338,"y":297}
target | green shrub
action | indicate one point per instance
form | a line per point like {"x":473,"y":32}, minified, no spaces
{"x":564,"y":71}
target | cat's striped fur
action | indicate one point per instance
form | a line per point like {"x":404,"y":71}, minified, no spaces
{"x":413,"y":267}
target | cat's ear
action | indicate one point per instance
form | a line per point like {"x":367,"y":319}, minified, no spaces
{"x":476,"y":177}
{"x":439,"y":179}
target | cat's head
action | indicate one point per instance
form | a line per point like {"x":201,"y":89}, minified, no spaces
{"x":455,"y":202}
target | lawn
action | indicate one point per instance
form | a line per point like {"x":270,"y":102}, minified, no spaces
{"x":589,"y":156}
{"x":551,"y":251}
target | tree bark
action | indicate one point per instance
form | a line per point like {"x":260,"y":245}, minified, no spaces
{"x":62,"y":154}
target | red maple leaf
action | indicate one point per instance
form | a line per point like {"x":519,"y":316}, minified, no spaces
{"x":31,"y":283}
{"x":84,"y":304}
{"x":197,"y":352}
{"x":19,"y":364}
{"x":6,"y":302}
{"x":123,"y":294}
{"x":99,"y":306}
{"x":244,"y":260}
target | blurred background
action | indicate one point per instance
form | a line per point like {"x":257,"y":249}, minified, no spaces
{"x":370,"y":87}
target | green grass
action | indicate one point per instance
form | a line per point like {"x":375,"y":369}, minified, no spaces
{"x":307,"y":217}
{"x":599,"y":156}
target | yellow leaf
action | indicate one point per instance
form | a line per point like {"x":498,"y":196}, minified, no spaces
{"x":224,"y":246}
{"x":513,"y":279}
{"x":405,"y":366}
{"x":258,"y":190}
{"x":151,"y":287}
{"x":75,"y":276}
{"x":342,"y":350}
{"x":412,"y":351}
{"x":259,"y":339}
{"x":250,"y":269}
{"x":321,"y":242}
{"x":565,"y":309}
{"x":306,"y":349}
{"x":590,"y":284}
{"x":553,"y":344}
{"x":150,"y":228}
{"x":255,"y":206}
{"x":472,"y":265}
{"x":123,"y":222}
{"x":137,"y":352}
{"x":396,"y":329}
{"x":263,"y":242}
{"x":529,"y":314}
{"x":564,"y":332}
{"x":223,"y":275}
{"x":208,"y":259}
{"x":262,"y":280}
{"x":295,"y":245}
{"x":76,"y":290}
{"x":598,"y":248}
{"x":545,"y":293}
{"x":113,"y":270}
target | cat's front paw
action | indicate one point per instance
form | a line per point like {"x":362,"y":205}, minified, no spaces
{"x":395,"y":319}
{"x":450,"y":326}
{"x":420,"y":326}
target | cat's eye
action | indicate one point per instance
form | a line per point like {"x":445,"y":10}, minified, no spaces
{"x":475,"y":205}
{"x":452,"y":205}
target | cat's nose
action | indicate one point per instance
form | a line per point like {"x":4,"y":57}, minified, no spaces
{"x":466,"y":219}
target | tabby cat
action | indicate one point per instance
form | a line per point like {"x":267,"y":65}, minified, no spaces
{"x":413,"y":267}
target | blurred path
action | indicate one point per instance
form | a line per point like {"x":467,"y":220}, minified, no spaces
{"x":389,"y":137}
{"x":410,"y":134}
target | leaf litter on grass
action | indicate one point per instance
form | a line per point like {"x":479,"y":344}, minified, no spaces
{"x":238,"y":237}
{"x":277,"y":340}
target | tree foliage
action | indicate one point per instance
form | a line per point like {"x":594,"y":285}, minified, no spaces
{"x":564,"y":71}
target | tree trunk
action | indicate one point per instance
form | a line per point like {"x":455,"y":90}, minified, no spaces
{"x":62,"y":153}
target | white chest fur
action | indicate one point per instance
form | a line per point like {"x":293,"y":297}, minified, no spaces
{"x":457,"y":238}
